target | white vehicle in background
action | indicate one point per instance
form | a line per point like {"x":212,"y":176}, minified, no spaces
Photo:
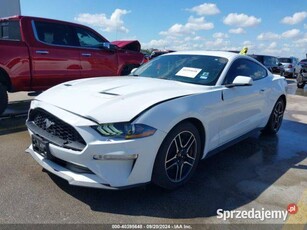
{"x":288,"y":66}
{"x":155,"y":125}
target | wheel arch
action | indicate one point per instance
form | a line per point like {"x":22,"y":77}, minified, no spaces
{"x":201,"y":129}
{"x":160,"y":173}
{"x":283,"y":97}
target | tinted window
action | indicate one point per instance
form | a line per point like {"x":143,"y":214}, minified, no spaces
{"x":10,"y":30}
{"x":285,"y":60}
{"x":195,"y":69}
{"x":270,"y":61}
{"x":258,"y":58}
{"x":56,"y":34}
{"x":88,"y":39}
{"x":244,"y":67}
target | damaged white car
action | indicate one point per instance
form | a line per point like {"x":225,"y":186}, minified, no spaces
{"x":156,"y":124}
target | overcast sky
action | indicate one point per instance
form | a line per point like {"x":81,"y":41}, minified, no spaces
{"x":277,"y":27}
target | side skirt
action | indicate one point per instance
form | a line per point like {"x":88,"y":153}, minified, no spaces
{"x":228,"y":144}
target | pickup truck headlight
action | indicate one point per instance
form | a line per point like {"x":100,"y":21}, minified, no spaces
{"x":125,"y":130}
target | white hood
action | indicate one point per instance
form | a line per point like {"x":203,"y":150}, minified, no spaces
{"x":115,"y":99}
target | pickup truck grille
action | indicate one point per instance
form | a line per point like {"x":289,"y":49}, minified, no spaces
{"x":54,"y":130}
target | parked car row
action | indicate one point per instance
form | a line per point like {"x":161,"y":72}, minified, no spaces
{"x":285,"y":66}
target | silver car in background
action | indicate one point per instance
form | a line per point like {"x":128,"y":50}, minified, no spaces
{"x":288,"y":64}
{"x":301,"y":73}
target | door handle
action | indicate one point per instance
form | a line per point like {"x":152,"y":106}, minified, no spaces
{"x":86,"y":54}
{"x":42,"y":51}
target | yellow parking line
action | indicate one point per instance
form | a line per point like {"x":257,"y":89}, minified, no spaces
{"x":300,"y":218}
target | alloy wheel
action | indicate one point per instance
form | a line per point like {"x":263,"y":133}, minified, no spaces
{"x":180,"y":157}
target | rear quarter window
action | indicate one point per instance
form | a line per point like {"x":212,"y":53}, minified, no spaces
{"x":10,"y":30}
{"x":245,"y":67}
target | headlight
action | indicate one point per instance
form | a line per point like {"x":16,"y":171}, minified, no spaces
{"x":125,"y":130}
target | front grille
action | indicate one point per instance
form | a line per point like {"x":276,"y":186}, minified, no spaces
{"x":54,"y":130}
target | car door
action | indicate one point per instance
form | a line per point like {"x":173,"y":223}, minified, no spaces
{"x":55,"y":54}
{"x":96,"y":59}
{"x":243,"y":106}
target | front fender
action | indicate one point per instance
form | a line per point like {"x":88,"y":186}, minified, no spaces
{"x":204,"y":107}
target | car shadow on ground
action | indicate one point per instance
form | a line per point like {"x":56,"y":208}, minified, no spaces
{"x":14,"y":117}
{"x":228,"y":180}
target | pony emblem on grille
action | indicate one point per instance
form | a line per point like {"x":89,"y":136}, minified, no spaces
{"x":48,"y":123}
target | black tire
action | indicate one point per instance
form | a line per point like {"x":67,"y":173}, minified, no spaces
{"x":178,"y":157}
{"x":276,"y":118}
{"x":282,"y":73}
{"x":300,"y":82}
{"x":3,"y":99}
{"x":301,"y":85}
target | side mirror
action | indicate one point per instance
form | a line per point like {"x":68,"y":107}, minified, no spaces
{"x":108,"y":46}
{"x":241,"y":81}
{"x":132,"y":71}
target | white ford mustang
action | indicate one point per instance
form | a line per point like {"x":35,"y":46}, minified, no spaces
{"x":156,"y":124}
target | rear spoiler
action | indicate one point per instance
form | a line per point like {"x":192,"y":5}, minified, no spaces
{"x":133,"y":45}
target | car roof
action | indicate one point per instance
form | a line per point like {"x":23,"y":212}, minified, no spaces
{"x":224,"y":54}
{"x":261,"y":55}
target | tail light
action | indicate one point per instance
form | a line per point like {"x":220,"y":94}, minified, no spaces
{"x":290,"y":66}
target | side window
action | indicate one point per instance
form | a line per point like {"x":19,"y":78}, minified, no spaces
{"x":256,"y":71}
{"x":270,"y":61}
{"x":10,"y":30}
{"x":244,"y":67}
{"x":88,"y":39}
{"x":55,"y":34}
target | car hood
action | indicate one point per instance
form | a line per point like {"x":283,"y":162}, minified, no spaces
{"x":115,"y":99}
{"x":132,"y":45}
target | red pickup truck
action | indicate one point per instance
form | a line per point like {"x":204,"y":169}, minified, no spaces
{"x":37,"y":53}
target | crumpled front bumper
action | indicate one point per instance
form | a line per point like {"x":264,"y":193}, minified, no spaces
{"x":86,"y":180}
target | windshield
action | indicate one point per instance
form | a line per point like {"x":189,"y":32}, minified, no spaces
{"x":195,"y":69}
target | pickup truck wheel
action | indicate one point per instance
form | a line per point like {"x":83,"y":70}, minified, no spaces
{"x":3,"y":98}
